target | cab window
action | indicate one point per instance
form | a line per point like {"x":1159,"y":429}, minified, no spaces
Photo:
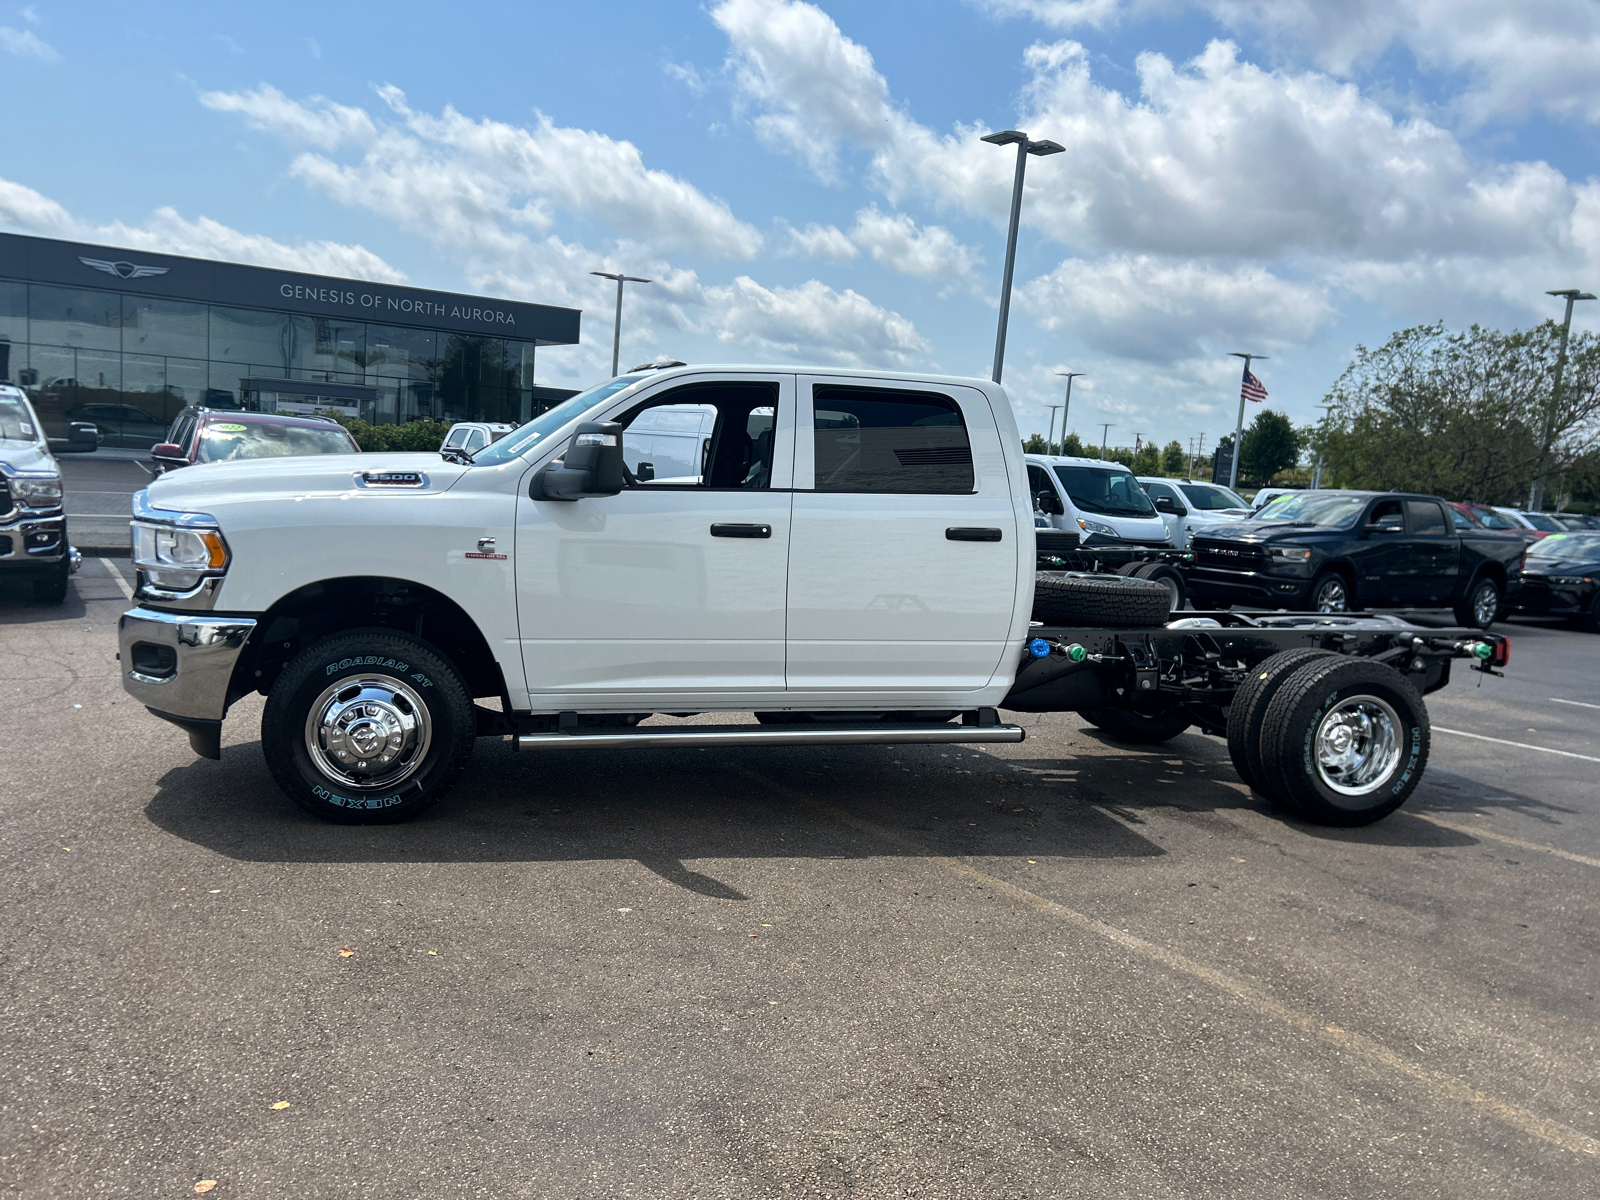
{"x":710,"y":435}
{"x":1426,"y":519}
{"x":888,"y":440}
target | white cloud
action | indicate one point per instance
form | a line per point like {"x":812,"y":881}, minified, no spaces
{"x":813,"y":323}
{"x":1164,"y":311}
{"x":481,"y":185}
{"x":817,"y":241}
{"x":928,"y":252}
{"x":24,"y":43}
{"x":317,"y":121}
{"x":1528,"y":56}
{"x":812,"y":86}
{"x":24,"y":210}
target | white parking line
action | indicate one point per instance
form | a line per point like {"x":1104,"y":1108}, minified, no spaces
{"x":1519,"y":843}
{"x":1520,"y":745}
{"x":1574,"y":703}
{"x":116,"y":576}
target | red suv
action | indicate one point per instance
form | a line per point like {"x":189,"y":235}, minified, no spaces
{"x":207,"y":435}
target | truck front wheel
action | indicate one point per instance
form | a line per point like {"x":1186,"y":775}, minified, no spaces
{"x":367,"y":727}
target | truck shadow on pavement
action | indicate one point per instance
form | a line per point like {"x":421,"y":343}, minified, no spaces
{"x":666,"y":809}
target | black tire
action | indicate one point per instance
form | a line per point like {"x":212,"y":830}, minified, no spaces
{"x":1249,"y":708}
{"x":413,"y":694}
{"x":52,"y":589}
{"x":1168,"y":577}
{"x":1592,"y":621}
{"x":1480,"y":604}
{"x":1303,"y":741}
{"x":1107,"y":601}
{"x":1142,"y":729}
{"x":1333,"y":589}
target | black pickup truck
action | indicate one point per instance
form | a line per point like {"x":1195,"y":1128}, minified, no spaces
{"x":1338,"y":551}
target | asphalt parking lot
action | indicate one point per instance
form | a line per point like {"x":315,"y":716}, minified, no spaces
{"x":1063,"y":968}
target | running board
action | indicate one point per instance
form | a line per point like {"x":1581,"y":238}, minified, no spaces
{"x":773,"y":735}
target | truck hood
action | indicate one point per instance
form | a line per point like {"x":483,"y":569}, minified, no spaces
{"x":200,"y":487}
{"x":1267,"y":531}
{"x":26,"y":458}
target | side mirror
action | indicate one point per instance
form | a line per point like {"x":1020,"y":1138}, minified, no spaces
{"x":645,"y":472}
{"x":1049,"y":504}
{"x":169,"y":454}
{"x":1165,"y":504}
{"x":592,"y":466}
{"x":82,"y":437}
{"x":1376,"y":528}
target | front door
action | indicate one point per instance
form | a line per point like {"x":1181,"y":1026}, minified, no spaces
{"x":1382,"y":558}
{"x":904,"y":569}
{"x":676,"y":586}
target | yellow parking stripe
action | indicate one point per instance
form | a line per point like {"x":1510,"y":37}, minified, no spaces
{"x":1441,"y":1085}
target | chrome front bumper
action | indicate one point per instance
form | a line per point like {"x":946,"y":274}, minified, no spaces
{"x":179,"y":665}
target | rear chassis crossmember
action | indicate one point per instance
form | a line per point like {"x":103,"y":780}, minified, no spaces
{"x":1195,"y":664}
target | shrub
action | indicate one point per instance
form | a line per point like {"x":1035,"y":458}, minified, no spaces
{"x":412,"y":435}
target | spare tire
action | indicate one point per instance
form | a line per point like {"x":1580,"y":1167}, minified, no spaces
{"x":1106,"y":601}
{"x":1168,"y":577}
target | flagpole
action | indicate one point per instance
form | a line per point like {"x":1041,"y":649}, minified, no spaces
{"x":1238,"y":428}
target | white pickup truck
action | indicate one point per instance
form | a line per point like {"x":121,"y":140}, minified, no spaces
{"x":853,"y":563}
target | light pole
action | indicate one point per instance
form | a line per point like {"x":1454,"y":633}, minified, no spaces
{"x":1025,"y":147}
{"x":1050,"y":442}
{"x":616,"y":332}
{"x":1238,"y":429}
{"x":1066,"y":407}
{"x":1536,"y":493}
{"x":1105,"y":428}
{"x":1316,"y":475}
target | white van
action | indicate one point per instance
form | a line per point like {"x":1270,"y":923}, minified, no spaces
{"x":1099,"y":501}
{"x":1188,"y":507}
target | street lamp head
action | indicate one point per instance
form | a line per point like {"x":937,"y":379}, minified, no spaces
{"x":1071,"y":374}
{"x":1005,"y":137}
{"x":620,"y":278}
{"x":1044,"y":147}
{"x":1572,"y":294}
{"x":1242,"y":354}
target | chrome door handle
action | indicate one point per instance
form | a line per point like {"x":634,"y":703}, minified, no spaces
{"x":742,"y":531}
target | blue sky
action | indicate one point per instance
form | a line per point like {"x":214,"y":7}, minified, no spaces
{"x":805,"y":181}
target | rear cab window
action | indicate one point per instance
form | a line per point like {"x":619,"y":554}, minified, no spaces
{"x":889,"y":440}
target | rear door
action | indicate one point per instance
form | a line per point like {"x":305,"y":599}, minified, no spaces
{"x":1435,"y":553}
{"x":903,"y":567}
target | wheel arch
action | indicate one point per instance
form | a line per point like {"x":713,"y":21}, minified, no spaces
{"x":316,"y":611}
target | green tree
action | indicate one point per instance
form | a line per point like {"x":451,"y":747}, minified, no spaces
{"x":1035,"y":444}
{"x":1271,"y":444}
{"x":1147,"y":461}
{"x":1174,"y":460}
{"x":1072,"y":446}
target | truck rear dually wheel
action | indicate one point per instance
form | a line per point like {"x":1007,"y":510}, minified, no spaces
{"x":367,"y":727}
{"x":1345,"y":741}
{"x":1249,"y":708}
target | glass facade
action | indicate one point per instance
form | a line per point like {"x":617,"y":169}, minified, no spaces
{"x":129,"y":363}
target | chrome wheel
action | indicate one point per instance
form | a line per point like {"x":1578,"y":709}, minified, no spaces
{"x":1485,"y":604}
{"x":1357,"y":745}
{"x":1332,"y":596}
{"x":368,"y":732}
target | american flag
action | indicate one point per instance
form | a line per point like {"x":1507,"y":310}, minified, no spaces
{"x":1251,"y":388}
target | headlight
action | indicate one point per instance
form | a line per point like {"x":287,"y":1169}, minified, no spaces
{"x":1570,"y":579}
{"x":1096,"y":528}
{"x":39,"y":492}
{"x":1289,"y":554}
{"x":176,"y":559}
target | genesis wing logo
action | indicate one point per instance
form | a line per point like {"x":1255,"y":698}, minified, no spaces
{"x":122,"y":270}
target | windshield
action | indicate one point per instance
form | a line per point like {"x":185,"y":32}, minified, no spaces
{"x":1566,"y":545}
{"x":1543,"y":523}
{"x":224,"y":441}
{"x":16,"y":422}
{"x":1210,"y":498}
{"x":1109,"y":493}
{"x":544,"y":424}
{"x":1315,"y":508}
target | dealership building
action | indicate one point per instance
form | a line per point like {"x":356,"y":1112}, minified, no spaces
{"x":126,"y":339}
